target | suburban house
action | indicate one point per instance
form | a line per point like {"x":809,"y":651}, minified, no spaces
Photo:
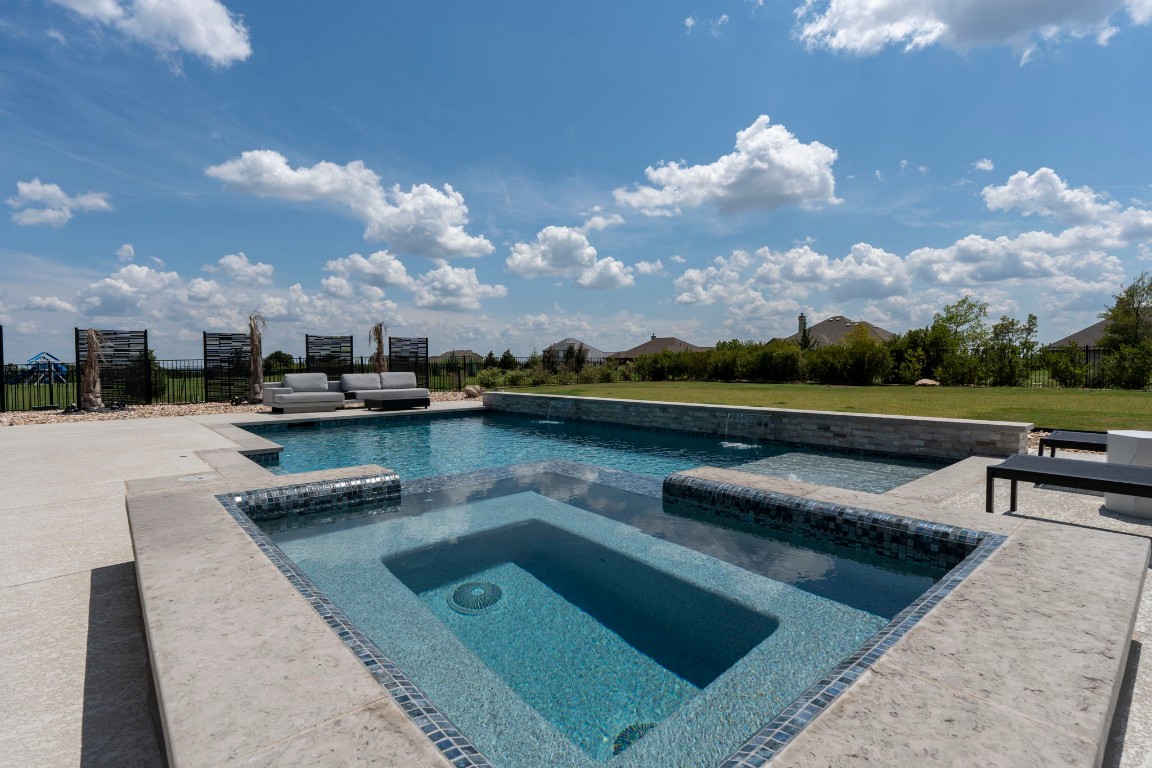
{"x":1085,"y":337}
{"x":460,"y":355}
{"x":655,"y":345}
{"x":560,"y":347}
{"x":834,"y":329}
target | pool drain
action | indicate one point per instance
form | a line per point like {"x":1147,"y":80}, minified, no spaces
{"x":630,"y":736}
{"x":474,"y":597}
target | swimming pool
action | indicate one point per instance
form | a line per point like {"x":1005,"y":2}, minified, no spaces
{"x":423,"y":446}
{"x":563,"y":667}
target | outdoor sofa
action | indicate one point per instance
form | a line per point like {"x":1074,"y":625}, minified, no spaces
{"x":313,"y":392}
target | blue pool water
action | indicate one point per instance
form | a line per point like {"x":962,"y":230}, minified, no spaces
{"x":417,"y":446}
{"x":556,"y":620}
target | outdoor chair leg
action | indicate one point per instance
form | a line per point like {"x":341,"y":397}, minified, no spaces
{"x":1012,"y":506}
{"x":990,"y":493}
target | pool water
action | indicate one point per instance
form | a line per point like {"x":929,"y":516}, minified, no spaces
{"x":418,"y":446}
{"x":562,"y":622}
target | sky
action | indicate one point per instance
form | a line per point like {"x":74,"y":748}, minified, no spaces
{"x":504,"y":175}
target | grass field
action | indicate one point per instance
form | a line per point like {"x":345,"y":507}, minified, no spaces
{"x":1083,"y":409}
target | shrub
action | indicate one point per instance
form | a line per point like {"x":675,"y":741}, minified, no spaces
{"x":826,"y":365}
{"x":1128,"y":367}
{"x":490,"y":378}
{"x":1066,"y":367}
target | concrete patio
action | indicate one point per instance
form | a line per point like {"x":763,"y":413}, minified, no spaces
{"x":78,"y":688}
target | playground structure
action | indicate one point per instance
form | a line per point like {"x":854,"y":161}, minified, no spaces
{"x":44,"y":368}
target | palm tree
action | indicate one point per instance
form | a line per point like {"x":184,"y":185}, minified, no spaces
{"x":90,"y":379}
{"x":256,"y":326}
{"x":379,"y":359}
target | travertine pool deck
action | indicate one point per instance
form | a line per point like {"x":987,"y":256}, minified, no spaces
{"x":979,"y":681}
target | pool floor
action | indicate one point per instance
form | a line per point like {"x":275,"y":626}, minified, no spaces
{"x":490,"y":672}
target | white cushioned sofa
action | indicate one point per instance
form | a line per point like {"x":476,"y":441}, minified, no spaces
{"x":311,"y":392}
{"x":303,"y":393}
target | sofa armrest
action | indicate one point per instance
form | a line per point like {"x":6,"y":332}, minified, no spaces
{"x":271,"y":392}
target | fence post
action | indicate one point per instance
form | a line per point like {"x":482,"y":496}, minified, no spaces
{"x":3,"y":376}
{"x":1087,"y":368}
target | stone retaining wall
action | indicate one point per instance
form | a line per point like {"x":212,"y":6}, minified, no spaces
{"x":940,"y":438}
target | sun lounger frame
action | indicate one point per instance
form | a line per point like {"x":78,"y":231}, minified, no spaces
{"x":1068,"y":473}
{"x":1081,"y":441}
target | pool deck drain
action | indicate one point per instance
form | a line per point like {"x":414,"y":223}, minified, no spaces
{"x":50,"y":712}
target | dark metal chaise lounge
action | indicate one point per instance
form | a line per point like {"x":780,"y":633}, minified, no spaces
{"x":1082,"y":441}
{"x":1069,"y":473}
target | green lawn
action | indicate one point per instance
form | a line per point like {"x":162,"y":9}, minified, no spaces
{"x":1085,"y":409}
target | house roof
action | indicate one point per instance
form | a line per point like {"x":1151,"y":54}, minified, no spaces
{"x":561,"y":347}
{"x":834,"y":329}
{"x":459,"y":354}
{"x":657,"y":344}
{"x":1085,"y":337}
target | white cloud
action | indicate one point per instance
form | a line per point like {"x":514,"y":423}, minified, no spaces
{"x":444,"y":287}
{"x":868,"y":26}
{"x":983,"y":164}
{"x":566,"y":252}
{"x":1046,"y":194}
{"x":677,"y":259}
{"x":39,"y":203}
{"x":649,"y":267}
{"x":768,"y":169}
{"x":126,"y":252}
{"x":237,"y":267}
{"x":423,"y":221}
{"x":380,"y":269}
{"x":203,"y":28}
{"x":448,"y":287}
{"x":689,"y":24}
{"x":48,"y":304}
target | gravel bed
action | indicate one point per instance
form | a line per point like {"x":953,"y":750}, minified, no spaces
{"x":23,"y":418}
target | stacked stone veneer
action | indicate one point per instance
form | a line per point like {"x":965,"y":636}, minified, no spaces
{"x":939,"y":438}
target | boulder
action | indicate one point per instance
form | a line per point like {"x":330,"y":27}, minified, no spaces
{"x":927,"y":383}
{"x":472,"y":391}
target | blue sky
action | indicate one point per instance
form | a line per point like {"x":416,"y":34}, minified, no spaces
{"x":505,"y":175}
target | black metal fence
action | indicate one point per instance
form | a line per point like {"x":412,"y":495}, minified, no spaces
{"x":224,"y":375}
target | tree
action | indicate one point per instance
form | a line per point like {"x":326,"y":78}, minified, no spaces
{"x":508,"y":361}
{"x":490,"y":360}
{"x":1130,"y":317}
{"x":959,"y":333}
{"x":1011,"y":345}
{"x":278,"y":363}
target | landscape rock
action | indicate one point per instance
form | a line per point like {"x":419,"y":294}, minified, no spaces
{"x":472,"y":391}
{"x":927,"y":383}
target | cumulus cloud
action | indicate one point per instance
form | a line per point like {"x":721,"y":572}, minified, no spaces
{"x":423,"y":221}
{"x":983,"y":164}
{"x":1046,"y":194}
{"x":768,"y":169}
{"x":48,"y":304}
{"x":868,"y":26}
{"x":1074,"y":268}
{"x":39,"y":203}
{"x":649,"y":267}
{"x":126,"y":252}
{"x":202,"y":28}
{"x":237,"y":267}
{"x":566,"y":252}
{"x":380,"y":269}
{"x":444,"y":287}
{"x":448,"y":287}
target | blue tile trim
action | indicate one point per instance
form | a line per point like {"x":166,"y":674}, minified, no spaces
{"x":884,"y":534}
{"x":892,"y":536}
{"x":430,"y":720}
